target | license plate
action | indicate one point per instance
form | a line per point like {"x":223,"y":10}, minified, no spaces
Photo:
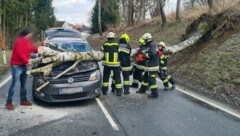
{"x":71,"y":90}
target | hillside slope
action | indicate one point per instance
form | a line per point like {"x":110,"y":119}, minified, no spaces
{"x":211,"y":67}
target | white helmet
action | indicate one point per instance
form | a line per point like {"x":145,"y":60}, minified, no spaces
{"x":147,"y":36}
{"x":162,"y":43}
{"x":111,"y":35}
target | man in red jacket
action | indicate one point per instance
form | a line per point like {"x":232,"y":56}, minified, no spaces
{"x":23,"y":47}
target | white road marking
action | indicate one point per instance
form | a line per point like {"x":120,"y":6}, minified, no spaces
{"x":5,"y":81}
{"x":109,"y":118}
{"x":209,"y":102}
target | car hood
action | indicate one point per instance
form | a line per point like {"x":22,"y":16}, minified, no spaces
{"x":84,"y":66}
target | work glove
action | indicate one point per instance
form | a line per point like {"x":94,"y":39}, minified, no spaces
{"x":144,"y":51}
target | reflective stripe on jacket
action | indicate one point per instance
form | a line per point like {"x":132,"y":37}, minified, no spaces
{"x":111,"y":55}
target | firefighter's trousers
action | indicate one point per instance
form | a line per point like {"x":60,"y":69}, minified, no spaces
{"x":137,"y":76}
{"x":126,"y":81}
{"x":116,"y":75}
{"x":165,"y":77}
{"x":149,"y":79}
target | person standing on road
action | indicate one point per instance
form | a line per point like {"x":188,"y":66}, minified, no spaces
{"x":139,"y":65}
{"x":111,"y":63}
{"x":152,"y":66}
{"x":22,"y":49}
{"x":125,"y":62}
{"x":162,"y":73}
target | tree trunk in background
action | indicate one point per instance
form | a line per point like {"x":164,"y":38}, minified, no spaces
{"x":124,"y":13}
{"x":130,"y":12}
{"x":178,"y":10}
{"x":99,"y":18}
{"x":210,"y":5}
{"x":26,"y":19}
{"x":4,"y":24}
{"x":163,"y":16}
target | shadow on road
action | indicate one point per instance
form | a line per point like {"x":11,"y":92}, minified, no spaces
{"x":81,"y":103}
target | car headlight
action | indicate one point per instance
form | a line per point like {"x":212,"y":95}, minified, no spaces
{"x":94,"y":76}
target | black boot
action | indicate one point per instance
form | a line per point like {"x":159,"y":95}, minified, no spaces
{"x":141,"y":90}
{"x":104,"y":92}
{"x":166,"y":86}
{"x":113,"y":88}
{"x":119,"y":92}
{"x":171,"y":80}
{"x":154,"y":94}
{"x":126,"y":92}
{"x":135,"y":85}
{"x":126,"y":89}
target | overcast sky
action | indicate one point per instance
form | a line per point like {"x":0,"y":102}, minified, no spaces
{"x":78,"y":11}
{"x":73,"y":11}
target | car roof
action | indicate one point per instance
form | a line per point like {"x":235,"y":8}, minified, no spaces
{"x":62,"y":32}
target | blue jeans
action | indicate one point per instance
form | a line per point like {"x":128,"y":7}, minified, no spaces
{"x":18,"y":74}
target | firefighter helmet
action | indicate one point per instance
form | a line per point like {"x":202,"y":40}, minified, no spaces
{"x":162,"y":44}
{"x":147,"y":36}
{"x":111,"y":35}
{"x":142,"y":41}
{"x":126,"y":37}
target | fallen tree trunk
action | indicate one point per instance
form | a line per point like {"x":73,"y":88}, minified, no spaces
{"x":57,"y":58}
{"x":183,"y":45}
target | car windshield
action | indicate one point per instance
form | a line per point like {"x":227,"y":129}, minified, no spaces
{"x":73,"y":45}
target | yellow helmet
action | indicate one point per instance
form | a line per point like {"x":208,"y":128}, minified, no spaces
{"x":111,"y":35}
{"x":126,"y":37}
{"x":142,"y":41}
{"x":147,"y":36}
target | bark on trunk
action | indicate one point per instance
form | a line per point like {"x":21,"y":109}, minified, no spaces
{"x":178,"y":10}
{"x":130,"y":12}
{"x":163,"y":16}
{"x":54,"y":58}
{"x":99,"y":18}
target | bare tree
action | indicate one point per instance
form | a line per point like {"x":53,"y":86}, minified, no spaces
{"x":163,"y":16}
{"x":99,"y":18}
{"x":130,"y":13}
{"x":178,"y":10}
{"x":210,"y":5}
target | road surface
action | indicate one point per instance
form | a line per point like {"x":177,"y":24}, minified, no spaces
{"x":172,"y":114}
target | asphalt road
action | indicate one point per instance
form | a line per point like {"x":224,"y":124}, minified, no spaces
{"x":172,"y":114}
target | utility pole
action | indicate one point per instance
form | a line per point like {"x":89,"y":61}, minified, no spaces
{"x":99,"y":18}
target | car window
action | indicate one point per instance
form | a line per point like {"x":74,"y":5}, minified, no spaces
{"x":73,"y":46}
{"x":62,"y":33}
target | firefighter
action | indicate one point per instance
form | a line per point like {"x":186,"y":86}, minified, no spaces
{"x":139,"y":65}
{"x":151,"y":68}
{"x":124,"y":56}
{"x":162,"y":73}
{"x":111,"y":63}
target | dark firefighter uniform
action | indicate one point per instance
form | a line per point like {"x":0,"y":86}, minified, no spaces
{"x":125,"y":62}
{"x":162,"y":73}
{"x":111,"y":63}
{"x":151,"y":68}
{"x":140,"y":63}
